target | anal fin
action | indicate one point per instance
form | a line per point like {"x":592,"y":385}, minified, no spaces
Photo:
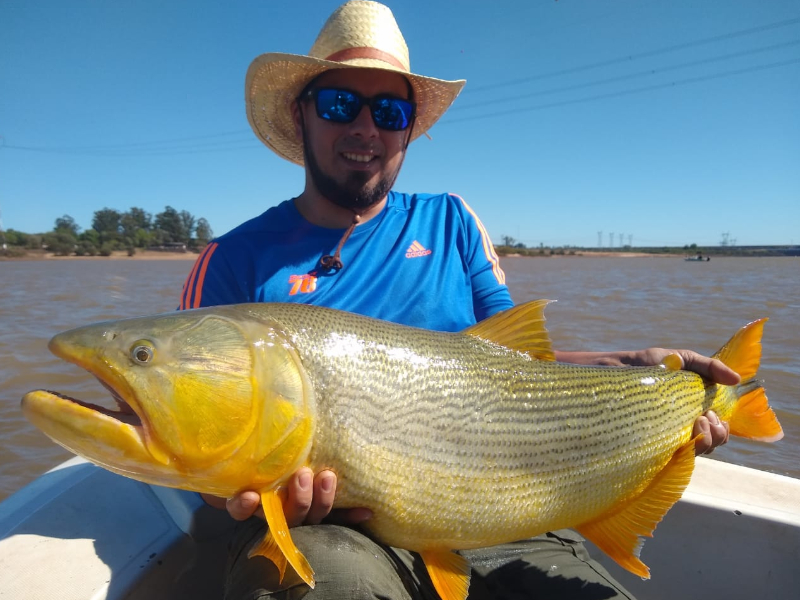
{"x":277,"y":545}
{"x":449,"y":572}
{"x":619,"y":532}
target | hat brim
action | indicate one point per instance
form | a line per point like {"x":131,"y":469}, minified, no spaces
{"x":274,"y":80}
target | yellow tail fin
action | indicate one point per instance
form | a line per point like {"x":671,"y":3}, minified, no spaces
{"x":751,"y":417}
{"x":742,"y":353}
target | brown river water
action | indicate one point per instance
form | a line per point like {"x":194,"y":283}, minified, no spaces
{"x":602,"y":304}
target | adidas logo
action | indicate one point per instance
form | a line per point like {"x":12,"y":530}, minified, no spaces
{"x":416,"y":249}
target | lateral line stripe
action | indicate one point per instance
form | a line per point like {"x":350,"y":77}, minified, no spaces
{"x":198,"y":287}
{"x":488,"y":247}
{"x":185,"y":294}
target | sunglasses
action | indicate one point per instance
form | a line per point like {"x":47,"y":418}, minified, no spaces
{"x":343,"y":106}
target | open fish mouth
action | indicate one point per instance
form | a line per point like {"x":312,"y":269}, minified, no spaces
{"x":124,"y":413}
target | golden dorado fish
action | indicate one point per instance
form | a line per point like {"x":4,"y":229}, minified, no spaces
{"x":452,"y":440}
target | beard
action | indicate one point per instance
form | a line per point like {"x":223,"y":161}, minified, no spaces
{"x":354,"y":193}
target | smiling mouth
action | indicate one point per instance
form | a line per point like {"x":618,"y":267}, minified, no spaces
{"x":359,"y":158}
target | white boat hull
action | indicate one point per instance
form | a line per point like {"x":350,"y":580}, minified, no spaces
{"x":79,"y":532}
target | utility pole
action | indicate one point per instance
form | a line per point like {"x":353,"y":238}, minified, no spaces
{"x":611,"y":240}
{"x":599,"y":239}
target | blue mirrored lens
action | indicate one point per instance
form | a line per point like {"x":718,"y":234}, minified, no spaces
{"x":343,"y":106}
{"x":337,"y":105}
{"x":391,"y":113}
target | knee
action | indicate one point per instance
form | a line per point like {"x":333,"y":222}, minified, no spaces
{"x":346,"y":564}
{"x":349,"y":563}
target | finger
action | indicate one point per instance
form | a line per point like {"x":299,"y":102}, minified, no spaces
{"x":719,"y":430}
{"x":711,"y":368}
{"x":324,"y":493}
{"x":300,"y":493}
{"x":703,"y":444}
{"x":242,"y":506}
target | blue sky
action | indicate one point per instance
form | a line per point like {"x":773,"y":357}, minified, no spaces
{"x":670,"y":122}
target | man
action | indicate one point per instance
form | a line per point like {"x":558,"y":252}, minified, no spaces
{"x":347,"y":113}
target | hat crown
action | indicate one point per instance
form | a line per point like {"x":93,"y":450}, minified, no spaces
{"x":362,"y":29}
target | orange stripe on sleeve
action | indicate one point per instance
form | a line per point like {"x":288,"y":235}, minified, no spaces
{"x":190,"y":285}
{"x":488,"y":247}
{"x":185,"y":293}
{"x":199,"y":284}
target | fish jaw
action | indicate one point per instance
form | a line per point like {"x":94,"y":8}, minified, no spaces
{"x":94,"y":434}
{"x":119,"y":441}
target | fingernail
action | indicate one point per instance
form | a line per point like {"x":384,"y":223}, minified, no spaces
{"x":326,"y":485}
{"x":712,"y":417}
{"x":304,"y":481}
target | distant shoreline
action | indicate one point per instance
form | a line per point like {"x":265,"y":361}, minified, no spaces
{"x":37,"y":255}
{"x":116,"y":255}
{"x":587,"y":254}
{"x":502,"y":252}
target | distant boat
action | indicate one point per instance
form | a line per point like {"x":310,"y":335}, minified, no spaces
{"x":698,"y":258}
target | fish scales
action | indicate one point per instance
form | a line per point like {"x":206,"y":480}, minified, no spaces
{"x":482,"y":422}
{"x":453,"y":440}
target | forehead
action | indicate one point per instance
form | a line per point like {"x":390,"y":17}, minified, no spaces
{"x":369,"y":82}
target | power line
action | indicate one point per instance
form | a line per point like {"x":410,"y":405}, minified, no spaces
{"x":649,"y":88}
{"x":143,"y":148}
{"x":636,"y":75}
{"x":631,"y":57}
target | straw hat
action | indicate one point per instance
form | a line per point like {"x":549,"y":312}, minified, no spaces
{"x":358,"y":34}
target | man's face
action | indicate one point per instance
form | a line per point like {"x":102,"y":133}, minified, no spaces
{"x":354,"y":165}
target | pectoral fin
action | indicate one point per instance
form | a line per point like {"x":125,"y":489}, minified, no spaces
{"x":449,"y":572}
{"x":619,"y":532}
{"x":278,"y":546}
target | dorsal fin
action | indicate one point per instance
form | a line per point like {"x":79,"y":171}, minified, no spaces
{"x":519,"y":328}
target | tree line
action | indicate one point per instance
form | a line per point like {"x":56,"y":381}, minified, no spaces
{"x":114,"y":230}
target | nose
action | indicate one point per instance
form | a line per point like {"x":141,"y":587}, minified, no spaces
{"x":364,"y":125}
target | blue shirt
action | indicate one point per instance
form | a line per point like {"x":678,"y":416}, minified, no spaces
{"x":425,"y":260}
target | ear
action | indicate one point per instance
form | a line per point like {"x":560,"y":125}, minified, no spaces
{"x":297,"y":119}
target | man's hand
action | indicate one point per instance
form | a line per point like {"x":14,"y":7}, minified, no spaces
{"x":715,"y":432}
{"x":309,"y":500}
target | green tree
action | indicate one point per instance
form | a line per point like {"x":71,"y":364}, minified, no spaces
{"x":17,"y":238}
{"x":89,"y":242}
{"x":106,"y":223}
{"x":508,"y":240}
{"x":203,"y":232}
{"x":188,"y":221}
{"x":60,"y":242}
{"x":67,"y":225}
{"x":135,"y":226}
{"x":172,"y":224}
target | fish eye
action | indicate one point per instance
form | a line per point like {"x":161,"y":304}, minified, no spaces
{"x":142,"y":352}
